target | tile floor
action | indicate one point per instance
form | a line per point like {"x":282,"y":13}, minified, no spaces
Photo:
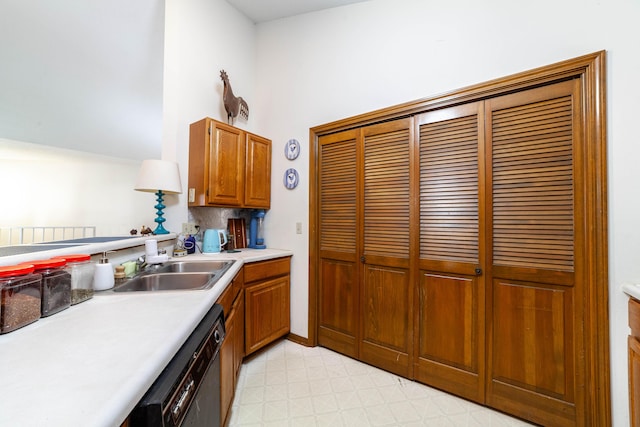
{"x":292,"y":385}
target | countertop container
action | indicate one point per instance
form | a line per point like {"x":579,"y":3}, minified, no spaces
{"x":20,"y":297}
{"x":81,"y":269}
{"x":56,"y":285}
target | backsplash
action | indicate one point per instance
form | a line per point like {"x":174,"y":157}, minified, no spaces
{"x":207,"y":217}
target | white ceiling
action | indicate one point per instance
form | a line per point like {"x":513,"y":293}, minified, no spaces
{"x":268,"y":10}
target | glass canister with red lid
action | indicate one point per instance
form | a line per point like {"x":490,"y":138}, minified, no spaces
{"x":56,"y":285}
{"x":81,"y":269}
{"x":20,"y":297}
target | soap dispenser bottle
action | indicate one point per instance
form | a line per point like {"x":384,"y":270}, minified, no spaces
{"x":103,"y":276}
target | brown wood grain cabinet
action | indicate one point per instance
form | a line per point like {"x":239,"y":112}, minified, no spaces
{"x":232,"y":350}
{"x":634,"y":362}
{"x":228,"y":167}
{"x":267,"y":302}
{"x":454,"y":243}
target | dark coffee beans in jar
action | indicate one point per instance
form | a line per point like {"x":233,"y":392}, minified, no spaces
{"x":56,"y":285}
{"x":20,"y":297}
{"x":81,"y":269}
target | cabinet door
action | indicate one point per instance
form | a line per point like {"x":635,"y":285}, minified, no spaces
{"x":227,"y":371}
{"x":338,"y":281}
{"x":226,"y":165}
{"x":266,"y":312}
{"x":257,"y":191}
{"x":450,"y":318}
{"x":634,"y":381}
{"x":238,"y":353}
{"x":385,"y":206}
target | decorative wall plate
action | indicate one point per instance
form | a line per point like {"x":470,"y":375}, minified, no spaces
{"x":292,"y":149}
{"x":291,"y":178}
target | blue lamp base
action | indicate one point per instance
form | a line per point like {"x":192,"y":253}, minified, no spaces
{"x":159,"y":211}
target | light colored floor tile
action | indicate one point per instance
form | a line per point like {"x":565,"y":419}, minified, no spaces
{"x":290,"y":385}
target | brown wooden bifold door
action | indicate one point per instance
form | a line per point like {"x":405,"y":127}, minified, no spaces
{"x":338,"y":284}
{"x":450,"y":318}
{"x":386,"y":300}
{"x":534,"y":152}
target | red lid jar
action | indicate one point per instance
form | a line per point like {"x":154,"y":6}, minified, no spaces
{"x":56,"y":285}
{"x":81,"y":269}
{"x":20,"y":297}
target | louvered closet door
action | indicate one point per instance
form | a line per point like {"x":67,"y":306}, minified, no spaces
{"x":450,"y":318}
{"x":386,"y":291}
{"x":338,"y":289}
{"x":534,"y":358}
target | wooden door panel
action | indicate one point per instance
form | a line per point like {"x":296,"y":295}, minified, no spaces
{"x":449,"y":331}
{"x":386,"y":189}
{"x":386,"y":296}
{"x":258,"y":172}
{"x":448,"y":320}
{"x":532,"y":190}
{"x":385,"y":314}
{"x":227,"y":371}
{"x":226,"y":184}
{"x":338,"y":314}
{"x":338,"y":276}
{"x":634,"y":380}
{"x":532,"y":337}
{"x":451,"y":286}
{"x":533,"y":373}
{"x":450,"y":145}
{"x":267,"y":315}
{"x":386,"y":291}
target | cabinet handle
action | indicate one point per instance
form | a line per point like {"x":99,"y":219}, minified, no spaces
{"x":363,"y":259}
{"x":478,"y":271}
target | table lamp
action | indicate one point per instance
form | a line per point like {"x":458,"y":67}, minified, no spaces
{"x":160,"y":177}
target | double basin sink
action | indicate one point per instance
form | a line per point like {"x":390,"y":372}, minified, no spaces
{"x":176,"y":276}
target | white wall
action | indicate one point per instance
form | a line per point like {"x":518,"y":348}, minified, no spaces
{"x":202,"y":37}
{"x":48,"y":186}
{"x":324,"y":66}
{"x":83,"y":75}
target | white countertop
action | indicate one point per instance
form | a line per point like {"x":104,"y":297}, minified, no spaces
{"x":91,"y":363}
{"x":59,"y":249}
{"x":632,"y":289}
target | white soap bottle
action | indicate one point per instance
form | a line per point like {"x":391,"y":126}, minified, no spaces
{"x":103,"y":276}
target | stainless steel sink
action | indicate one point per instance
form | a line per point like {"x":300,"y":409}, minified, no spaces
{"x":167,"y":282}
{"x":177,"y":276}
{"x":193,"y":266}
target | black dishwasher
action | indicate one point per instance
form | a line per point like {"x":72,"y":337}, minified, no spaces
{"x":187,"y":392}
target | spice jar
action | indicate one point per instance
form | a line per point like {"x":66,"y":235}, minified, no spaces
{"x":20,"y":297}
{"x":56,"y":285}
{"x":81,"y":269}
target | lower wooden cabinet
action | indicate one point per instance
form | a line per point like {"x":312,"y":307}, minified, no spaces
{"x":267,"y":302}
{"x":232,"y":350}
{"x":263,"y":289}
{"x":634,"y":363}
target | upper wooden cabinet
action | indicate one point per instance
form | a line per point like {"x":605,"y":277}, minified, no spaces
{"x":228,"y":166}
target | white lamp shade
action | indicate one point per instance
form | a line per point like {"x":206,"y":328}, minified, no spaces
{"x":159,"y":175}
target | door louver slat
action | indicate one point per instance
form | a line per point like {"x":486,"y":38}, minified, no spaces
{"x":449,"y":190}
{"x":337,"y":200}
{"x":386,"y":193}
{"x":533,"y":185}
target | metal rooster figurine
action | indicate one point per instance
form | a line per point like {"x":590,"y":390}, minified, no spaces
{"x":233,"y":104}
